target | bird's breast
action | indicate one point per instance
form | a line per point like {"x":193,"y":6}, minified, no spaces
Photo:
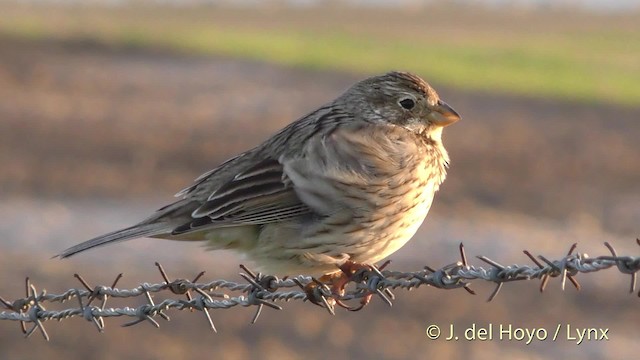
{"x":402,"y":208}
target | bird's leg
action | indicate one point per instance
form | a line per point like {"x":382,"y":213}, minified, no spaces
{"x":362,"y":273}
{"x":330,"y":287}
{"x":319,"y":293}
{"x":351,"y":271}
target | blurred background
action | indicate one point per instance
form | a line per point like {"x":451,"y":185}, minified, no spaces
{"x":107,"y":108}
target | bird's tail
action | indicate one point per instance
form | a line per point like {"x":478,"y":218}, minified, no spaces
{"x":135,"y":231}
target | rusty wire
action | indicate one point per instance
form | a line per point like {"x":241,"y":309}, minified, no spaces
{"x":260,"y":290}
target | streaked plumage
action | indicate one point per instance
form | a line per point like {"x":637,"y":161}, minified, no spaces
{"x":352,"y":180}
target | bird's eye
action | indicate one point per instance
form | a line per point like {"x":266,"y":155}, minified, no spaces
{"x":407,"y":103}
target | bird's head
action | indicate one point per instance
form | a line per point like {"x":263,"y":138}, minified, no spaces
{"x":403,"y":99}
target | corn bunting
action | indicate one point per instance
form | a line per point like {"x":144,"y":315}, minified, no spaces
{"x":351,"y":181}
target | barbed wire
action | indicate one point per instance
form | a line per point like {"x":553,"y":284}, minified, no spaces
{"x":358,"y":282}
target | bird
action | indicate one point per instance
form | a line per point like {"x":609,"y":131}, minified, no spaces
{"x":351,"y":181}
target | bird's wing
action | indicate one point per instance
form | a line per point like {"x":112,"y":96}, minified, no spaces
{"x":260,"y":195}
{"x":314,"y":181}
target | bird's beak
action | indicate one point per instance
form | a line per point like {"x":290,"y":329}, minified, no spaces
{"x":443,"y":115}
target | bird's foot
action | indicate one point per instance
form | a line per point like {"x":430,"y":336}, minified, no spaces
{"x":352,"y":272}
{"x":319,"y":293}
{"x":335,"y":284}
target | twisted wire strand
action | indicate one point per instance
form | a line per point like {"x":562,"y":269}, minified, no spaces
{"x":266,"y":290}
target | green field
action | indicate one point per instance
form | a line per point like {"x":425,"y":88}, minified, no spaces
{"x":582,"y":57}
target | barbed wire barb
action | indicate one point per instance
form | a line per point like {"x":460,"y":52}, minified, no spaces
{"x":362,"y":282}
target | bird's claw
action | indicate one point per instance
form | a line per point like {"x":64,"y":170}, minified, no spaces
{"x":320,"y":294}
{"x":355,"y":272}
{"x":328,"y":290}
{"x":364,"y":301}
